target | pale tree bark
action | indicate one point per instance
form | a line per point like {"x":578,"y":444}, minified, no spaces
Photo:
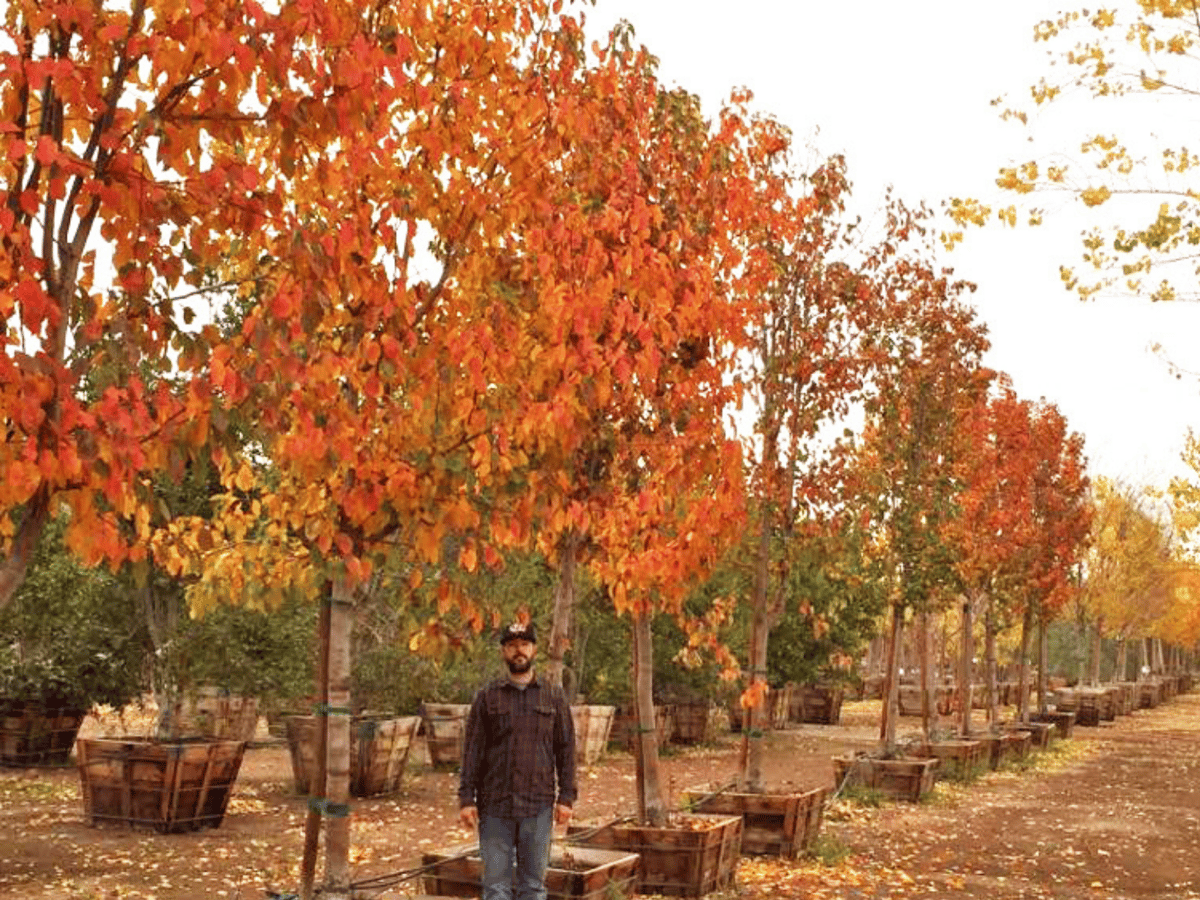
{"x":562,"y":617}
{"x":15,"y":565}
{"x":1096,"y":644}
{"x":966,"y":668}
{"x":1043,"y":673}
{"x":1121,"y":673}
{"x":1023,"y":662}
{"x":989,"y":639}
{"x":652,"y":810}
{"x":928,"y":699}
{"x":1157,"y":664}
{"x":891,"y":686}
{"x":316,"y":786}
{"x":754,"y":715}
{"x":337,"y":761}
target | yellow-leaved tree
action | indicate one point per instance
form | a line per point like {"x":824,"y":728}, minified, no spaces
{"x":1132,"y":69}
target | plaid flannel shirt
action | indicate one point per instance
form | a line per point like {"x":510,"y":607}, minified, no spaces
{"x":518,"y":751}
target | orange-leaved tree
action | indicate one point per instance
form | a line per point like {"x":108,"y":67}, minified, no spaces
{"x":143,"y":147}
{"x":993,"y":528}
{"x":928,"y":369}
{"x":819,"y":302}
{"x":416,"y":408}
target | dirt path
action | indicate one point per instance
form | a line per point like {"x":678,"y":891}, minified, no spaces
{"x":1117,"y":815}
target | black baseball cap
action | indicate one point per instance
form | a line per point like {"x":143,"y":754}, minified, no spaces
{"x":519,"y":631}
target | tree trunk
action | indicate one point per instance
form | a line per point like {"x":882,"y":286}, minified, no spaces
{"x":966,"y":668}
{"x":337,"y":761}
{"x":1121,"y":672}
{"x":316,"y":787}
{"x":1094,"y":669}
{"x":891,"y":684}
{"x":928,"y":699}
{"x":1023,"y":676}
{"x":651,"y":808}
{"x":563,"y":614}
{"x":1157,"y":664}
{"x":754,"y":715}
{"x":1043,"y":672}
{"x":15,"y":565}
{"x":989,"y":637}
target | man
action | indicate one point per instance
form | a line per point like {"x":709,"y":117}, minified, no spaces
{"x":518,"y":771}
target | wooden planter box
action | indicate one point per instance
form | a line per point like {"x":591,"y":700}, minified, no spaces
{"x":957,"y":758}
{"x":697,"y":723}
{"x":820,"y":704}
{"x":575,"y":873}
{"x":169,"y":786}
{"x":779,"y":705}
{"x":33,"y":733}
{"x":593,"y":725}
{"x":1040,"y":733}
{"x":910,"y":702}
{"x":625,"y":726}
{"x":906,"y":778}
{"x":1149,"y":694}
{"x":773,"y":824}
{"x":1094,"y":706}
{"x":1063,"y":721}
{"x":213,"y":713}
{"x":445,"y":726}
{"x":1067,"y":700}
{"x":379,"y":749}
{"x":1127,"y":697}
{"x":695,"y":857}
{"x":1014,"y":746}
{"x":993,"y":746}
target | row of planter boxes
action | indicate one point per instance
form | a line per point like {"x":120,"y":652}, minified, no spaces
{"x":1093,"y":705}
{"x":911,"y":776}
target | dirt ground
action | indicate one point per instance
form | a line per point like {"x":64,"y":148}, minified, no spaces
{"x":1112,"y":814}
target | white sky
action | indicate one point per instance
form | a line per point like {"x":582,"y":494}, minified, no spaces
{"x":903,"y":90}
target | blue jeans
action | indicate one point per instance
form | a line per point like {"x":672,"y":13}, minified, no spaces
{"x":525,"y":843}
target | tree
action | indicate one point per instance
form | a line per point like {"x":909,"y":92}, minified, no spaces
{"x":1126,"y":571}
{"x":819,"y":296}
{"x":929,"y":369}
{"x":1135,"y":57}
{"x":144,"y":148}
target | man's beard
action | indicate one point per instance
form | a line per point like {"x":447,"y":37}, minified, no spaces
{"x":519,"y":665}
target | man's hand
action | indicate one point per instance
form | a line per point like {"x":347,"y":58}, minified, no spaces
{"x":562,"y":814}
{"x":469,"y":816}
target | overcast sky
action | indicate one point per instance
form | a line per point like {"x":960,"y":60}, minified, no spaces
{"x":903,"y":90}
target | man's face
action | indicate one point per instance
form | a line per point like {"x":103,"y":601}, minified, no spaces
{"x":518,"y":654}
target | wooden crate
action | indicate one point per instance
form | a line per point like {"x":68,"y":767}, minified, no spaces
{"x":1149,"y":694}
{"x":575,"y":873}
{"x":170,"y":786}
{"x":33,"y":733}
{"x":1015,"y":746}
{"x":958,"y":758}
{"x":904,"y":778}
{"x":593,"y":725}
{"x":911,"y":704}
{"x":379,"y":749}
{"x":993,"y":746}
{"x":690,"y":858}
{"x":819,"y":704}
{"x":697,"y":723}
{"x":624,"y":730}
{"x":1040,"y":733}
{"x":213,"y":712}
{"x":773,"y":823}
{"x":445,"y":727}
{"x":1094,"y":706}
{"x":1062,"y":720}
